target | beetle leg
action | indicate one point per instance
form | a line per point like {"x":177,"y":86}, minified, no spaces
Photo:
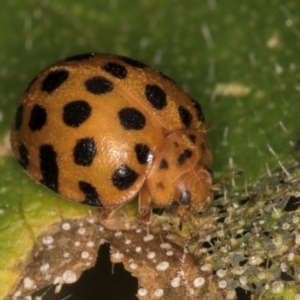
{"x":106,"y":215}
{"x":145,"y":204}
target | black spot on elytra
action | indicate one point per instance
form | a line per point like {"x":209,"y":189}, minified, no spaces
{"x":115,"y":70}
{"x":49,"y":167}
{"x":185,"y":116}
{"x":187,"y":153}
{"x":19,"y":117}
{"x":76,"y":112}
{"x":24,"y":155}
{"x":143,"y":153}
{"x":199,"y":110}
{"x":38,"y":117}
{"x":131,"y":119}
{"x":83,"y":56}
{"x":192,"y":138}
{"x":54,"y":80}
{"x":99,"y":85}
{"x":124,"y":177}
{"x":91,"y":195}
{"x":163,"y":164}
{"x":185,"y":198}
{"x":156,"y":96}
{"x":84,"y":152}
{"x":132,"y":62}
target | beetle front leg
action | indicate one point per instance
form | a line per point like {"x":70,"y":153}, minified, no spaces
{"x":145,"y":204}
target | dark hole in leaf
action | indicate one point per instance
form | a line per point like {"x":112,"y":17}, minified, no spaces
{"x":243,"y":262}
{"x":97,"y":283}
{"x":219,"y":206}
{"x":242,"y":294}
{"x":221,"y":220}
{"x":286,"y":277}
{"x":266,"y":264}
{"x":244,"y":201}
{"x":292,"y":204}
{"x":158,"y":211}
{"x":210,"y":243}
{"x":218,"y":196}
{"x":253,"y":285}
{"x":238,"y":236}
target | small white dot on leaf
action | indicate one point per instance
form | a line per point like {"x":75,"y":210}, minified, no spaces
{"x":297,"y":297}
{"x":148,"y":237}
{"x":118,"y":255}
{"x":127,"y":241}
{"x":165,"y":246}
{"x":28,"y":283}
{"x":206,"y":267}
{"x":57,"y":289}
{"x":142,"y":292}
{"x":91,"y":220}
{"x":138,"y":230}
{"x":277,"y":287}
{"x":81,"y":231}
{"x":90,"y":244}
{"x":169,"y":253}
{"x":159,"y":293}
{"x":221,"y":273}
{"x":101,"y":228}
{"x":198,"y":282}
{"x":57,"y":280}
{"x":77,"y":243}
{"x":44,"y":267}
{"x":138,"y":249}
{"x":69,"y":277}
{"x":175,"y":282}
{"x":47,"y":240}
{"x":66,"y":226}
{"x":162,"y":266}
{"x":118,"y":233}
{"x":133,"y":266}
{"x":222,"y":284}
{"x":151,"y":255}
{"x":17,"y":294}
{"x":85,"y":255}
{"x":191,"y":291}
{"x":231,"y":295}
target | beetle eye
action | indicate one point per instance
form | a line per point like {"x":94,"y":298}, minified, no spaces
{"x":185,"y":198}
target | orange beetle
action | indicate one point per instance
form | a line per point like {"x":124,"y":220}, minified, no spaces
{"x":99,"y":129}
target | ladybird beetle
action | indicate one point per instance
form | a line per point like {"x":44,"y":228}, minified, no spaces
{"x":99,"y":129}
